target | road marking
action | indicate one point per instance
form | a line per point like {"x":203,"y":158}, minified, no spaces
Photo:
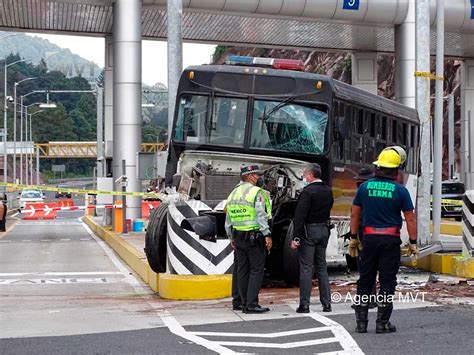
{"x":177,"y":329}
{"x":59,"y":273}
{"x":5,"y":241}
{"x":85,"y":239}
{"x":344,"y":338}
{"x":65,"y":240}
{"x":62,"y":281}
{"x":292,"y":345}
{"x":265,"y":335}
{"x":129,"y":277}
{"x":26,"y":240}
{"x":45,"y":240}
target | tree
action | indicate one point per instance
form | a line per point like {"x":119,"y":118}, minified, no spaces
{"x":53,"y":125}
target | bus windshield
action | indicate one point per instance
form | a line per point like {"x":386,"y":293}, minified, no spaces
{"x":289,"y":127}
{"x":276,"y":125}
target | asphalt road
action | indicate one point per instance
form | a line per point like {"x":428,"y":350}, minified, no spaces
{"x":62,"y":291}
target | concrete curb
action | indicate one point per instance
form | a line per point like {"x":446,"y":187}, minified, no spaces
{"x":451,"y":264}
{"x":173,"y":287}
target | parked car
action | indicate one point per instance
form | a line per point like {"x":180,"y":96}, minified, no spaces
{"x":62,"y":194}
{"x":29,"y":196}
{"x":451,"y":199}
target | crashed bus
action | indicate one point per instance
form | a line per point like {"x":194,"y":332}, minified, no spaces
{"x":269,"y":112}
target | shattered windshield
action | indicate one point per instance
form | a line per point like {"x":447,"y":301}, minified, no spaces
{"x":290,"y":127}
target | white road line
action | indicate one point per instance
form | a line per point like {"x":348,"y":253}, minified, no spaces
{"x":67,"y":239}
{"x":265,"y":335}
{"x":177,"y":329}
{"x":26,"y":240}
{"x":129,"y":277}
{"x":48,"y":240}
{"x":89,"y":238}
{"x":296,"y":344}
{"x":5,"y":241}
{"x":59,"y":273}
{"x":342,"y":335}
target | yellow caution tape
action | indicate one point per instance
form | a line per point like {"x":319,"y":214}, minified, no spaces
{"x":449,"y":202}
{"x":80,"y":191}
{"x":428,"y":75}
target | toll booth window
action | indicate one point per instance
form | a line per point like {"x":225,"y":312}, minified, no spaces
{"x":289,"y":127}
{"x":228,"y":121}
{"x":193,"y":116}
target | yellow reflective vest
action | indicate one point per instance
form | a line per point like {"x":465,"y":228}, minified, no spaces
{"x":241,"y":207}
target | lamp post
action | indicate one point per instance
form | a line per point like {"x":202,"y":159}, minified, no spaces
{"x":32,"y":151}
{"x":5,"y":108}
{"x":26,"y":137}
{"x":14,"y":122}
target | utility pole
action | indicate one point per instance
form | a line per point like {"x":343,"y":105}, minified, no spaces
{"x":438,"y":124}
{"x":100,"y":133}
{"x":423,"y":107}
{"x":451,"y":136}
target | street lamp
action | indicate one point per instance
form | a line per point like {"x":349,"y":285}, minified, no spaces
{"x":14,"y":122}
{"x":31,"y":154}
{"x":5,"y":165}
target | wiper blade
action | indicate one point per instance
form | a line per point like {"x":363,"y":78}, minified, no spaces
{"x":282,"y":104}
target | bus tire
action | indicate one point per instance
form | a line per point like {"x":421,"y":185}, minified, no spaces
{"x":351,"y":262}
{"x":155,"y":238}
{"x":291,"y":267}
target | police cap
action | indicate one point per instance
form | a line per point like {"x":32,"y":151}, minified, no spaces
{"x":250,"y":169}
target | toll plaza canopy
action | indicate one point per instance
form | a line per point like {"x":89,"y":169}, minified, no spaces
{"x":353,"y":25}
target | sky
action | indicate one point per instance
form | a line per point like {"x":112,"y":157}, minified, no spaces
{"x":154,"y":54}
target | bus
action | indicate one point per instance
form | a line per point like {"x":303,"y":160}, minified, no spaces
{"x":269,"y":112}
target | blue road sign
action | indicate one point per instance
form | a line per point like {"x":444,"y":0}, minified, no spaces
{"x":472,"y":9}
{"x":354,"y":5}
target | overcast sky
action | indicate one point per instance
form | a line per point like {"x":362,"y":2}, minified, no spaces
{"x":154,"y":54}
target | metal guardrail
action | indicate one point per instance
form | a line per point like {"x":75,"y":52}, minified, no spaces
{"x":86,"y":150}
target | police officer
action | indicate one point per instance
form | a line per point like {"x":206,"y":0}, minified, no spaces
{"x":248,"y":211}
{"x":311,"y":236}
{"x":380,"y":201}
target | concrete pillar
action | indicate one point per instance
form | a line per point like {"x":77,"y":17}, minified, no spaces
{"x":127,"y":87}
{"x":364,"y":71}
{"x":467,"y":123}
{"x":108,"y":97}
{"x":405,"y":59}
{"x":175,"y":56}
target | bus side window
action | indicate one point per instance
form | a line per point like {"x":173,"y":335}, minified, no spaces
{"x":357,"y":139}
{"x":341,"y":130}
{"x":369,"y":136}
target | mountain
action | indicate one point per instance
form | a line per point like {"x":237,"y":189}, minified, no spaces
{"x":35,"y":49}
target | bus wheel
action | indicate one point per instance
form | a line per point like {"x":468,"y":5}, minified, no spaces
{"x":155,"y":238}
{"x":351,"y":263}
{"x":291,"y":268}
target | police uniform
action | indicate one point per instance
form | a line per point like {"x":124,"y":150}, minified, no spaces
{"x":248,"y":211}
{"x":382,"y":200}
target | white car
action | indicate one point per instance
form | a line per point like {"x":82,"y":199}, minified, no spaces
{"x":27,"y":196}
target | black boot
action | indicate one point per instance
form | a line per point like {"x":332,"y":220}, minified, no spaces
{"x":383,"y":315}
{"x":362,"y":313}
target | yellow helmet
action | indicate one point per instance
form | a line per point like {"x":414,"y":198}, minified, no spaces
{"x":400,"y":151}
{"x":388,"y":159}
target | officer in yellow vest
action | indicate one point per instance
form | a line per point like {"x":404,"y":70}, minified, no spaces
{"x":248,"y":211}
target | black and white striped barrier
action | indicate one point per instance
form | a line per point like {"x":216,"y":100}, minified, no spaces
{"x":195,"y":245}
{"x":468,"y":224}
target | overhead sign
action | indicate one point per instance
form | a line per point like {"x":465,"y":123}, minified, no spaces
{"x":472,"y":9}
{"x":354,"y":4}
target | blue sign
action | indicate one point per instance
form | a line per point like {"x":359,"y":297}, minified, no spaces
{"x":354,"y":4}
{"x":472,"y":9}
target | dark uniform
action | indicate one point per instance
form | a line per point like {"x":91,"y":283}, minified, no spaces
{"x":382,"y":200}
{"x":311,"y":226}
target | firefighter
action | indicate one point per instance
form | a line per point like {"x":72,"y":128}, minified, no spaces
{"x":248,"y":212}
{"x":379,"y":202}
